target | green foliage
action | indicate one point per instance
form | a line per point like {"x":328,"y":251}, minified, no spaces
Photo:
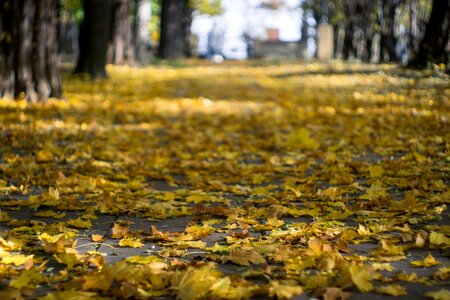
{"x":207,"y":7}
{"x":72,"y":10}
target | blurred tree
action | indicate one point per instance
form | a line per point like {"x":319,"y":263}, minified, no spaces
{"x":175,"y":25}
{"x":94,"y":37}
{"x":432,"y":48}
{"x":141,"y":33}
{"x":387,"y":10}
{"x":121,"y":48}
{"x":175,"y":16}
{"x":70,"y":15}
{"x":29,"y":50}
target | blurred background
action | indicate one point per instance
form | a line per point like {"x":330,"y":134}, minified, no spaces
{"x":371,"y":30}
{"x":37,"y":35}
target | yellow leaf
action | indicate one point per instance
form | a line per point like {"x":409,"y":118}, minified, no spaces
{"x":244,"y":257}
{"x":333,"y":293}
{"x":120,"y":230}
{"x":196,"y":282}
{"x":361,"y":277}
{"x":50,"y":214}
{"x":442,"y":294}
{"x":73,"y":295}
{"x":218,"y":248}
{"x":138,"y":259}
{"x":225,"y":288}
{"x":69,"y":259}
{"x":383,"y":267}
{"x":392,"y":289}
{"x":100,"y":281}
{"x":97,"y":238}
{"x":283,"y":291}
{"x":375,"y":192}
{"x":376,"y":171}
{"x":80,"y":223}
{"x":427,"y":262}
{"x":27,"y":279}
{"x":16,"y":260}
{"x":131,"y":242}
{"x":439,"y":239}
{"x":57,"y":243}
{"x":274,"y":222}
{"x":301,"y":139}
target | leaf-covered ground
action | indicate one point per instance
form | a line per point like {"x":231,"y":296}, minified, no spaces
{"x":229,"y":182}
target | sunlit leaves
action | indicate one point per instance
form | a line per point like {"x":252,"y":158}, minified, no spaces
{"x":361,"y":277}
{"x":313,"y":179}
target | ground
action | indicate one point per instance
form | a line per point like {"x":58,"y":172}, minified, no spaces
{"x":240,"y":180}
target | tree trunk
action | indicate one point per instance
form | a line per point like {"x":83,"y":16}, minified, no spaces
{"x":386,"y":20}
{"x":121,"y":49}
{"x":433,"y":45}
{"x":94,"y":37}
{"x":348,"y":48}
{"x":187,"y":22}
{"x":172,"y":41}
{"x":141,"y":35}
{"x":29,"y":50}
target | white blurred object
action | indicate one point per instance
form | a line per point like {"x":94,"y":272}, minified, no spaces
{"x":217,"y":59}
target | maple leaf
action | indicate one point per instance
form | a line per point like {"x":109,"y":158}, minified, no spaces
{"x":442,"y":294}
{"x":97,"y":238}
{"x":195,"y":283}
{"x":333,"y":293}
{"x":283,"y":291}
{"x":361,"y":277}
{"x":80,"y":223}
{"x":376,"y":171}
{"x":244,"y":257}
{"x":375,"y":192}
{"x":69,"y":259}
{"x":120,"y":230}
{"x":439,"y":240}
{"x":57,"y":243}
{"x":301,"y":139}
{"x":132,"y":242}
{"x":226,"y":288}
{"x":17,"y":260}
{"x":392,"y":289}
{"x":28,"y":279}
{"x":428,"y":261}
{"x":99,"y":281}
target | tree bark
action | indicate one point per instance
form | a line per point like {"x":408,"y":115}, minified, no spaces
{"x":121,"y":49}
{"x":28,"y":55}
{"x":172,"y":40}
{"x":94,"y":37}
{"x":432,"y":48}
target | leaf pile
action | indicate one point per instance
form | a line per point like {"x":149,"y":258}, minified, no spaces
{"x":228,"y":182}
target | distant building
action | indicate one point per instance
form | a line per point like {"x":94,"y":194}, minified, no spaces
{"x":271,"y":25}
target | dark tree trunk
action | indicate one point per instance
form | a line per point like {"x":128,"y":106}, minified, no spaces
{"x":187,"y":21}
{"x":172,"y":41}
{"x":121,"y":49}
{"x":367,"y":56}
{"x":433,"y":45}
{"x":386,"y":20}
{"x":348,"y":48}
{"x":140,"y":31}
{"x":29,"y":50}
{"x":94,"y":36}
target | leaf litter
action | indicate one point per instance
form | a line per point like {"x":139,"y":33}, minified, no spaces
{"x":228,"y":182}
